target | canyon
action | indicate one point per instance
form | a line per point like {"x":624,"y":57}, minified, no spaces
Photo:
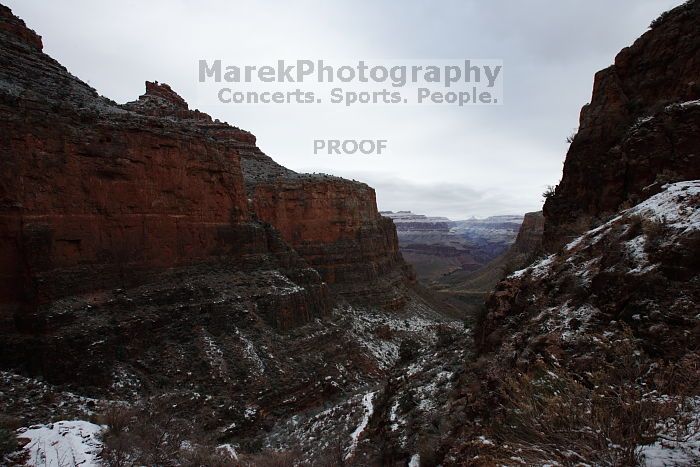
{"x":170,"y":295}
{"x":438,"y":247}
{"x":150,"y":252}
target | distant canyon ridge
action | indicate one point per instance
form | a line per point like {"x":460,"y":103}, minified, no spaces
{"x":439,"y":246}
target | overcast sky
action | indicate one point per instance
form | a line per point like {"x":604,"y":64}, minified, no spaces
{"x":456,"y":162}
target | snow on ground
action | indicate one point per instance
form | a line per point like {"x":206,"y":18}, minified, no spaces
{"x":677,"y":444}
{"x":586,"y":270}
{"x":418,"y":322}
{"x":427,"y":393}
{"x":228,"y":450}
{"x":287,"y":288}
{"x":394,"y":416}
{"x":333,"y":427}
{"x":415,"y":461}
{"x":538,"y":269}
{"x":484,"y":440}
{"x":638,"y":256}
{"x":641,"y":121}
{"x":64,"y":443}
{"x":215,"y":356}
{"x":683,"y":105}
{"x":568,"y":321}
{"x":251,"y":354}
{"x":580,"y":315}
{"x":124,"y":380}
{"x":379,"y":335}
{"x":355,"y":436}
{"x":28,"y":396}
{"x":592,"y":235}
{"x":677,"y":206}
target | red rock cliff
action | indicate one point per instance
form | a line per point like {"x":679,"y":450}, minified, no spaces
{"x":640,"y":130}
{"x":90,"y":190}
{"x":334,"y":224}
{"x":97,"y":196}
{"x":331,"y":222}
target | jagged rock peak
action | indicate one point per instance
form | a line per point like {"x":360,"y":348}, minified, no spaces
{"x":165,"y":93}
{"x":160,"y":100}
{"x":17,"y":28}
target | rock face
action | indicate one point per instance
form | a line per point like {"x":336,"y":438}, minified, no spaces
{"x":529,"y":239}
{"x":331,"y":222}
{"x":98,"y":190}
{"x":334,"y":224}
{"x":107,"y":208}
{"x":640,"y":130}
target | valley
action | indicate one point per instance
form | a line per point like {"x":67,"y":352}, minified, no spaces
{"x":170,"y":295}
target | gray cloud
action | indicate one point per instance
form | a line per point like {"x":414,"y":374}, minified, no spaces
{"x":454,"y":200}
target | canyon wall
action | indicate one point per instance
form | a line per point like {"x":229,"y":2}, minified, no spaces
{"x":331,"y":222}
{"x":334,"y":224}
{"x":529,"y":238}
{"x":121,"y":224}
{"x":91,"y":189}
{"x":96,"y":195}
{"x":640,"y":130}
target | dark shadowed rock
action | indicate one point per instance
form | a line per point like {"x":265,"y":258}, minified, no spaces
{"x":640,"y":130}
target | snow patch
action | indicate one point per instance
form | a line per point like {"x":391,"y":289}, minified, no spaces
{"x":228,"y":450}
{"x":676,"y":206}
{"x":592,"y":235}
{"x":641,"y":121}
{"x":675,"y":446}
{"x":369,"y":410}
{"x":214,"y":356}
{"x":394,"y":416}
{"x":538,"y":269}
{"x":251,"y":353}
{"x":62,"y":443}
{"x":683,"y":105}
{"x":288,"y":287}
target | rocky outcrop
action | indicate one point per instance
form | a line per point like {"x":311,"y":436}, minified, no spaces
{"x":334,"y":224}
{"x":529,"y":239}
{"x":331,"y":222}
{"x":640,"y":130}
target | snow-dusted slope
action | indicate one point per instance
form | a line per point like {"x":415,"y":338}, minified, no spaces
{"x":612,"y":317}
{"x":676,"y":208}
